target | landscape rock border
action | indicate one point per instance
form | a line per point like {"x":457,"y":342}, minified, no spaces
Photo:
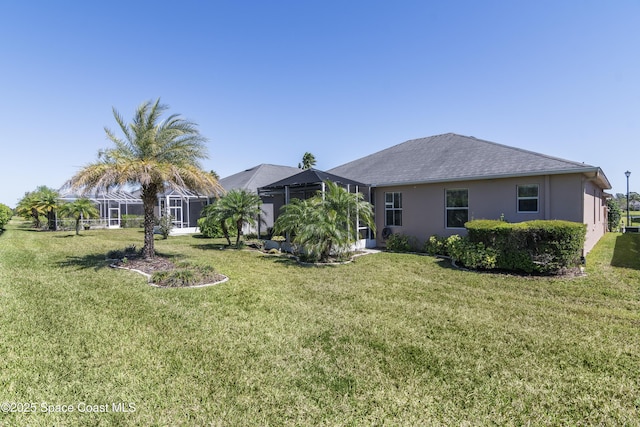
{"x":150,"y":283}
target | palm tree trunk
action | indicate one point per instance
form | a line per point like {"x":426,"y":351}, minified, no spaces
{"x":239,"y":229}
{"x":36,"y":218}
{"x":51,"y":218}
{"x":78,"y":226}
{"x":149,"y":200}
{"x":225,"y":231}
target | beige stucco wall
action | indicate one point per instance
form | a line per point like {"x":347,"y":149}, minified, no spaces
{"x":560,"y":197}
{"x":595,"y":214}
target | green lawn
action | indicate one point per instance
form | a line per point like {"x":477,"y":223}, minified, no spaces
{"x":623,"y":217}
{"x":391,"y":339}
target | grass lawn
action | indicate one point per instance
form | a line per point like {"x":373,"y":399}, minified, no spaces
{"x":390,"y":339}
{"x":623,"y":217}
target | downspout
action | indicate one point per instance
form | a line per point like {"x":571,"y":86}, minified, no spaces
{"x":547,"y":197}
{"x":349,"y":214}
{"x":286,"y":202}
{"x":584,"y":189}
{"x":369,"y":232}
{"x":357,"y":215}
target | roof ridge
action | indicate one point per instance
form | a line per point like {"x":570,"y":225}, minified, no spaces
{"x":254,"y":172}
{"x":523,"y":150}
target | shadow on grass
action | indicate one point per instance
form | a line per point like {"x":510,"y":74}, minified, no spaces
{"x":293,"y":262}
{"x":210,"y":246}
{"x":445,"y":263}
{"x":100,"y":261}
{"x":626,"y":252}
{"x":94,"y":261}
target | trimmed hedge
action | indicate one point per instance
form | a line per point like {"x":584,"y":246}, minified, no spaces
{"x":132,"y":221}
{"x":539,"y":246}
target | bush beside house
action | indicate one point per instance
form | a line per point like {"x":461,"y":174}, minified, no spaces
{"x":540,"y":247}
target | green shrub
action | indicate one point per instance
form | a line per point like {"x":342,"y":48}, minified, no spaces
{"x":212,"y":229}
{"x":538,"y":246}
{"x":477,"y":256}
{"x":435,"y":245}
{"x":5,"y":215}
{"x":615,"y":215}
{"x":165,"y":222}
{"x":401,"y":243}
{"x":132,"y":221}
{"x":454,"y":247}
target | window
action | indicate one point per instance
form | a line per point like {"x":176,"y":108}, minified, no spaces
{"x":528,"y":198}
{"x":393,"y":209}
{"x":457,"y":208}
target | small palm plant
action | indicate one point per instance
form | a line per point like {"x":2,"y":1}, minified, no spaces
{"x":242,"y":207}
{"x":78,"y":210}
{"x":327,"y":223}
{"x":214,"y":216}
{"x":42,"y":201}
{"x":236,"y":208}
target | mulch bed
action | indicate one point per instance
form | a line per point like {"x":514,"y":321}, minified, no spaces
{"x":158,"y":264}
{"x":148,"y":266}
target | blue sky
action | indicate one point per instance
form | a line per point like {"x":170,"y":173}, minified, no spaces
{"x":268,"y":80}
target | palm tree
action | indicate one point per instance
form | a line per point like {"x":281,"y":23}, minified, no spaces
{"x":28,"y":208}
{"x":308,"y":161}
{"x":242,"y":207}
{"x":42,"y":201}
{"x":327,"y":222}
{"x":156,"y":155}
{"x":48,"y":202}
{"x":214,"y":215}
{"x":79,"y":209}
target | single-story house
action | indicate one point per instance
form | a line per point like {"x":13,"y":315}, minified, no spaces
{"x":432,"y":186}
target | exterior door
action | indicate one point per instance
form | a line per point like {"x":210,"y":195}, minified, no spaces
{"x":114,"y":217}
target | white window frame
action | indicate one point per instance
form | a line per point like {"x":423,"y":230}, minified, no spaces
{"x":391,"y":206}
{"x":448,"y":208}
{"x":536,"y":198}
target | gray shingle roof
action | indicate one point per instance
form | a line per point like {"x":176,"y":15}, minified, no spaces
{"x":258,"y":176}
{"x":452,"y":157}
{"x":311,"y":177}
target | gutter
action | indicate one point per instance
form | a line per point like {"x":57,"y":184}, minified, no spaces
{"x":596,"y":171}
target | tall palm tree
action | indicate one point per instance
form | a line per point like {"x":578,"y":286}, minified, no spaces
{"x":308,"y":161}
{"x":156,"y":155}
{"x":79,"y":209}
